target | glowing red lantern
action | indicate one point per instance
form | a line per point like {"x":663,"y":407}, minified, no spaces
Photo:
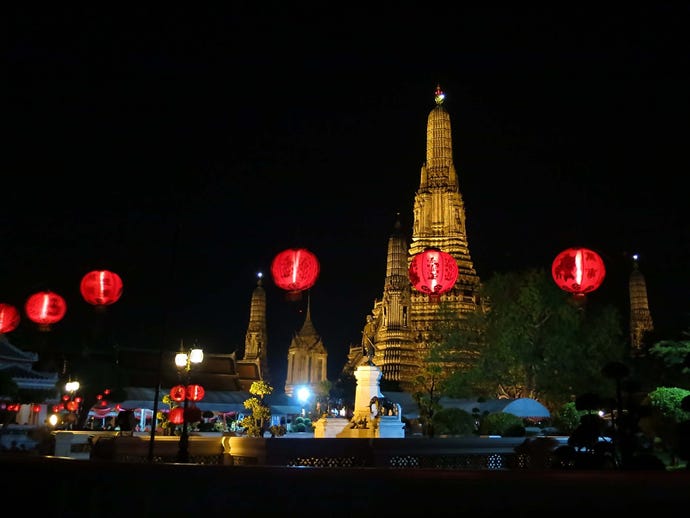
{"x":9,"y":318}
{"x":101,"y":287}
{"x":578,"y":270}
{"x":177,"y":393}
{"x":36,"y":409}
{"x":72,"y":406}
{"x":295,"y":270}
{"x":195,"y":392}
{"x":433,"y":272}
{"x":176,"y":415}
{"x":45,"y":308}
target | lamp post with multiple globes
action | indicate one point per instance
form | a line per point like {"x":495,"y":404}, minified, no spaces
{"x":72,"y":403}
{"x":184,"y":362}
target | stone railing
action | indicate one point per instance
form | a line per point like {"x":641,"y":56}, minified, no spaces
{"x":136,"y":447}
{"x":461,"y":453}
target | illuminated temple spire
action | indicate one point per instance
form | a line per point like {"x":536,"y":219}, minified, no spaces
{"x":256,"y":337}
{"x":640,"y":316}
{"x":401,"y":321}
{"x":439,"y":211}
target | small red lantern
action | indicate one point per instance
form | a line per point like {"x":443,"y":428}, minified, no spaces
{"x":177,"y":393}
{"x":295,"y":270}
{"x":101,"y":287}
{"x":36,"y":409}
{"x":578,"y":270}
{"x":72,"y":406}
{"x":195,"y":392}
{"x":9,"y":318}
{"x":45,"y":308}
{"x":176,"y":415}
{"x":433,"y":272}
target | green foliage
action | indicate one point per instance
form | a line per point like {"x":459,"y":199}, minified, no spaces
{"x":675,"y":358}
{"x":502,"y":423}
{"x":277,"y":430}
{"x":255,"y":424}
{"x":667,"y":401}
{"x":454,"y":421}
{"x":301,"y":424}
{"x":567,"y":418}
{"x":430,"y":382}
{"x":536,"y":343}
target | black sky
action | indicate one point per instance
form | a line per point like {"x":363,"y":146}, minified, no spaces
{"x":183,"y":148}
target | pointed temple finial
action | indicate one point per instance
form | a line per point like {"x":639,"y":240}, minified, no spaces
{"x":259,"y":277}
{"x":440,"y":96}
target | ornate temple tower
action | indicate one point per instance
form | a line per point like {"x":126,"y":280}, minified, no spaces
{"x":307,"y":357}
{"x":254,"y":364}
{"x":401,"y":321}
{"x":640,"y":317}
{"x":395,"y":351}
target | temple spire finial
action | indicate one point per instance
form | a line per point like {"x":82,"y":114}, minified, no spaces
{"x":439,"y":95}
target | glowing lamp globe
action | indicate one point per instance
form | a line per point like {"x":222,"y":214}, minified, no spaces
{"x":9,"y":318}
{"x":101,"y":288}
{"x":433,"y":272}
{"x":578,"y":271}
{"x":45,"y":308}
{"x":295,"y":270}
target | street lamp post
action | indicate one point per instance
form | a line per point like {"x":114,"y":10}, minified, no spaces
{"x":72,"y":387}
{"x":184,"y":362}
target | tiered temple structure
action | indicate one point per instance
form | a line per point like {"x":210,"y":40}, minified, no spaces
{"x":254,"y":364}
{"x":640,"y":317}
{"x":401,"y":323}
{"x":307,"y":358}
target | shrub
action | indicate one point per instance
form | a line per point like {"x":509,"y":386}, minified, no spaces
{"x":567,"y":418}
{"x":453,"y":421}
{"x":502,"y":423}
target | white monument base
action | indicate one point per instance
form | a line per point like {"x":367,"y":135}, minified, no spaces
{"x":364,"y":423}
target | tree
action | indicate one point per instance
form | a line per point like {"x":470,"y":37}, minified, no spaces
{"x":256,"y":424}
{"x":444,"y":354}
{"x":675,"y":356}
{"x":534,"y":342}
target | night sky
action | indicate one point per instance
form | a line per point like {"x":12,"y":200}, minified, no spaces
{"x":183,"y":148}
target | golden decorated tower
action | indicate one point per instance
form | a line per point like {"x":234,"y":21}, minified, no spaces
{"x":401,"y":322}
{"x":640,"y":316}
{"x":254,"y":363}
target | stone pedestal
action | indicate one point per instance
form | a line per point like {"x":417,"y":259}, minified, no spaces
{"x":368,"y":377}
{"x":330,"y":426}
{"x":363,"y":424}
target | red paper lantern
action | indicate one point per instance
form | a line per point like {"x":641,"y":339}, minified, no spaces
{"x":176,"y":415}
{"x":177,"y":393}
{"x":433,"y":272}
{"x":195,"y":392}
{"x":101,"y":287}
{"x":36,"y":409}
{"x":295,"y":270}
{"x":578,"y":270}
{"x":9,"y":318}
{"x":72,"y":406}
{"x":45,"y":308}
